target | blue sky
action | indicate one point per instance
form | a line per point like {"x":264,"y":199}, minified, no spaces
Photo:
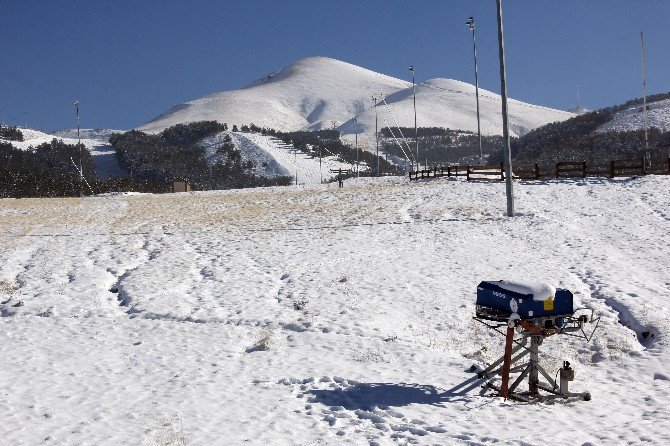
{"x":128,"y":61}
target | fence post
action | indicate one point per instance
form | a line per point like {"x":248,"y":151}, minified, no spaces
{"x":502,"y":172}
{"x":644,"y":166}
{"x":668,"y":165}
{"x":467,"y":173}
{"x":557,"y":169}
{"x":612,"y":169}
{"x":537,"y":172}
{"x":583,"y":169}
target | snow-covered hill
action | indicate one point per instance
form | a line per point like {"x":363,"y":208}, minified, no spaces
{"x":313,"y":315}
{"x":632,"y":118}
{"x":452,"y":104}
{"x":96,"y":134}
{"x":320,"y":92}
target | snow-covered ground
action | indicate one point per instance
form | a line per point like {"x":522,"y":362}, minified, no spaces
{"x":312,"y":315}
{"x":95,"y":140}
{"x":278,"y":158}
{"x":319,"y":92}
{"x":632,"y":118}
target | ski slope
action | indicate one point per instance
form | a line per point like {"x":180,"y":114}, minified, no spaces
{"x":312,"y":315}
{"x":451,"y":104}
{"x":278,"y":158}
{"x":322,"y":93}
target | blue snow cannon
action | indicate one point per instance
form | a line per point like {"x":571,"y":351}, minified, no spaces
{"x":499,"y":300}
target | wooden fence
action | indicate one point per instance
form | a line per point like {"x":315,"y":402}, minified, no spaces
{"x":439,"y":171}
{"x":486,"y":172}
{"x":564,"y":169}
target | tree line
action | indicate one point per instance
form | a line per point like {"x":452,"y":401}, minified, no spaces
{"x":10,"y":133}
{"x":48,"y":170}
{"x":437,"y":145}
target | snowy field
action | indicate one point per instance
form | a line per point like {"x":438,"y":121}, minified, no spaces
{"x":312,"y":315}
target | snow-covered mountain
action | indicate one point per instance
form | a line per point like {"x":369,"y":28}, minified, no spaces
{"x":319,"y":92}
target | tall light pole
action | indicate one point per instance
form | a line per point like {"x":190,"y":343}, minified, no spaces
{"x":503,"y":94}
{"x":416,"y":135}
{"x":471,"y":23}
{"x":647,"y":156}
{"x":358,"y":168}
{"x":374,"y":99}
{"x":81,"y":172}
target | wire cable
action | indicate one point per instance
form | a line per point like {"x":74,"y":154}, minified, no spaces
{"x":396,"y":124}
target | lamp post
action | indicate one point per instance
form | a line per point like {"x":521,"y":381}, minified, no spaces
{"x":81,"y":172}
{"x":471,"y":23}
{"x":416,"y":136}
{"x":503,"y":94}
{"x":358,"y":168}
{"x":374,"y":99}
{"x":647,"y":155}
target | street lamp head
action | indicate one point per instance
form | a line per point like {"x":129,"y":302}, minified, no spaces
{"x":411,"y":68}
{"x":471,"y":23}
{"x":76,"y":103}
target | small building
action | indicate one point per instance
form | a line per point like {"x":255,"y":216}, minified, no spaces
{"x":181,"y":185}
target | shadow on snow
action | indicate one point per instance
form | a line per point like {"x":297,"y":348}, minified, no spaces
{"x":367,"y":396}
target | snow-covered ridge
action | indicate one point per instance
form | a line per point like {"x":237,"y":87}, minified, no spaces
{"x":632,"y":118}
{"x":319,"y":92}
{"x":97,"y":134}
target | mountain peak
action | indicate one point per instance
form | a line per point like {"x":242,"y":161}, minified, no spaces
{"x":320,"y":92}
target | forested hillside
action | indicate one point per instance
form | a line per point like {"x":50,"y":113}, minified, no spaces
{"x":175,"y":153}
{"x":437,"y":145}
{"x":578,"y":139}
{"x":48,"y":170}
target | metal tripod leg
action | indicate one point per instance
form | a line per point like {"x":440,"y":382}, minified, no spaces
{"x":491,"y":370}
{"x":520,"y":378}
{"x":507,"y":362}
{"x":534,"y":378}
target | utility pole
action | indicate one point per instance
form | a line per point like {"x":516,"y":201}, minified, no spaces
{"x":81,"y":172}
{"x":503,"y":94}
{"x":471,"y":23}
{"x":358,"y":169}
{"x":374,"y":98}
{"x":647,"y":155}
{"x":579,"y":105}
{"x":416,"y":136}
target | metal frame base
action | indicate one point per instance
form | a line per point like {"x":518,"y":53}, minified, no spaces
{"x":514,"y":361}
